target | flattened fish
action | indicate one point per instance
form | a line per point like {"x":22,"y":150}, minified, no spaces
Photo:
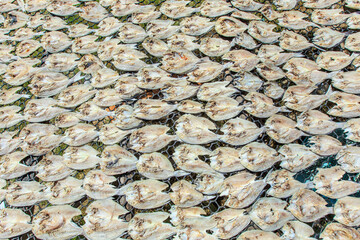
{"x":97,"y":185}
{"x":238,"y":131}
{"x":54,"y":223}
{"x":157,"y":166}
{"x":325,"y":145}
{"x":229,"y":26}
{"x":337,"y":231}
{"x":145,"y":194}
{"x":243,"y":60}
{"x":102,"y":220}
{"x":52,"y":168}
{"x":10,"y":166}
{"x":348,"y":158}
{"x":179,"y":62}
{"x":184,"y":194}
{"x":316,"y":122}
{"x":307,"y":206}
{"x":211,"y":90}
{"x":328,"y":17}
{"x":150,"y":226}
{"x":269,"y":213}
{"x":297,"y":230}
{"x":258,"y":235}
{"x":124,"y":118}
{"x":43,"y":109}
{"x":347,"y":210}
{"x":346,"y":105}
{"x":177,"y":9}
{"x":80,"y":158}
{"x":10,"y":95}
{"x":282,"y":129}
{"x":334,"y":60}
{"x":25,"y":193}
{"x":8,"y":142}
{"x":258,"y":157}
{"x":327,"y":37}
{"x":14,"y":222}
{"x":65,"y":191}
{"x":186,"y":157}
{"x":10,"y":116}
{"x":195,"y":130}
{"x":206,"y":70}
{"x":283,"y":184}
{"x":116,"y":160}
{"x":297,"y":157}
{"x":222,"y":108}
{"x":80,"y":134}
{"x":196,"y":25}
{"x":263,"y":31}
{"x":152,"y":109}
{"x":110,"y":134}
{"x":346,"y":81}
{"x":260,"y":105}
{"x":225,"y":159}
{"x":230,"y":222}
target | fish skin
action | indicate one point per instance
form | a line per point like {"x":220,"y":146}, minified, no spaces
{"x":180,"y":41}
{"x":21,"y":71}
{"x":327,"y":38}
{"x":316,"y":122}
{"x":334,"y":60}
{"x":161,"y":29}
{"x":196,"y":25}
{"x":152,"y":109}
{"x":124,"y":118}
{"x":285,"y":4}
{"x":345,"y":105}
{"x":65,"y":191}
{"x":8,"y":142}
{"x":246,"y":5}
{"x":61,"y":62}
{"x":104,"y":77}
{"x":67,"y":119}
{"x":209,"y":182}
{"x":263,"y":32}
{"x":294,"y":42}
{"x":79,"y":30}
{"x":179,"y":89}
{"x":54,"y":223}
{"x":93,"y":12}
{"x":238,"y":131}
{"x":108,"y":26}
{"x":207,"y":91}
{"x":260,"y":105}
{"x":295,"y":20}
{"x":26,"y":47}
{"x":75,"y":95}
{"x":211,"y":8}
{"x":179,"y":62}
{"x":270,"y":71}
{"x":155,"y":47}
{"x":229,"y":26}
{"x":107,"y":97}
{"x":14,"y":222}
{"x":345,"y":81}
{"x":195,"y":130}
{"x":247,"y":82}
{"x":131,"y":33}
{"x":55,"y":41}
{"x":63,"y":7}
{"x":145,"y":194}
{"x":89,"y":64}
{"x":190,"y":106}
{"x":116,"y":160}
{"x":243,"y":60}
{"x":177,"y":9}
{"x":328,"y":17}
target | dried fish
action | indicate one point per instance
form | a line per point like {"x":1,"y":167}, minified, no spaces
{"x":258,"y":235}
{"x":307,"y":206}
{"x":43,"y":109}
{"x":54,"y":223}
{"x":150,"y":226}
{"x":157,"y":166}
{"x":263,"y":31}
{"x":258,"y":157}
{"x":238,"y":131}
{"x":334,"y":60}
{"x":11,"y":167}
{"x":108,"y":26}
{"x":209,"y":182}
{"x":337,"y":231}
{"x":179,"y":89}
{"x":131,"y":33}
{"x":269,"y":213}
{"x":316,"y":122}
{"x":145,"y":194}
{"x":97,"y":185}
{"x":61,"y":62}
{"x":66,"y":191}
{"x":21,"y":71}
{"x":230,"y":222}
{"x":80,"y":134}
{"x":285,"y":4}
{"x":8,"y":142}
{"x":242,"y":189}
{"x":52,"y":168}
{"x":206,"y":70}
{"x":282,"y":129}
{"x":63,"y":7}
{"x":297,"y":230}
{"x":105,"y":77}
{"x":75,"y":95}
{"x":243,"y":60}
{"x":297,"y":157}
{"x":145,"y":14}
{"x":80,"y":158}
{"x":186,"y":157}
{"x":25,"y":193}
{"x":260,"y":105}
{"x":177,"y":9}
{"x":116,"y":160}
{"x":161,"y":29}
{"x":86,"y":44}
{"x":215,"y":8}
{"x":93,"y":12}
{"x":283,"y":184}
{"x":102,"y":220}
{"x":346,"y":105}
{"x":55,"y":41}
{"x":346,"y":211}
{"x":179,"y":61}
{"x":348,"y":158}
{"x":123,"y":8}
{"x":225,"y":159}
{"x":294,"y":42}
{"x":184,"y":194}
{"x":10,"y":116}
{"x":195,"y":130}
{"x":269,"y":71}
{"x":246,"y":5}
{"x":189,"y":106}
{"x":152,"y":109}
{"x":79,"y":30}
{"x":108,"y":49}
{"x":229,"y":26}
{"x":329,"y":16}
{"x":327,"y":37}
{"x":247,"y":82}
{"x":124,"y":118}
{"x":155,"y":46}
{"x":14,"y":222}
{"x":196,"y":25}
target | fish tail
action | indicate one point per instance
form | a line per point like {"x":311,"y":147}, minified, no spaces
{"x":196,"y":10}
{"x":22,"y":5}
{"x":180,"y":173}
{"x":284,"y":109}
{"x":207,"y":198}
{"x":329,"y":92}
{"x":77,"y":77}
{"x":25,"y":96}
{"x":340,"y":124}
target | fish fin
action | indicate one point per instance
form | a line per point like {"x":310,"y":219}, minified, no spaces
{"x":107,"y":38}
{"x":354,"y":55}
{"x":77,"y":77}
{"x":309,"y":184}
{"x":284,"y":109}
{"x":332,"y":74}
{"x":207,"y":198}
{"x":340,"y":124}
{"x":21,"y":4}
{"x":228,"y":65}
{"x":180,"y":173}
{"x":26,"y":96}
{"x":329,"y":92}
